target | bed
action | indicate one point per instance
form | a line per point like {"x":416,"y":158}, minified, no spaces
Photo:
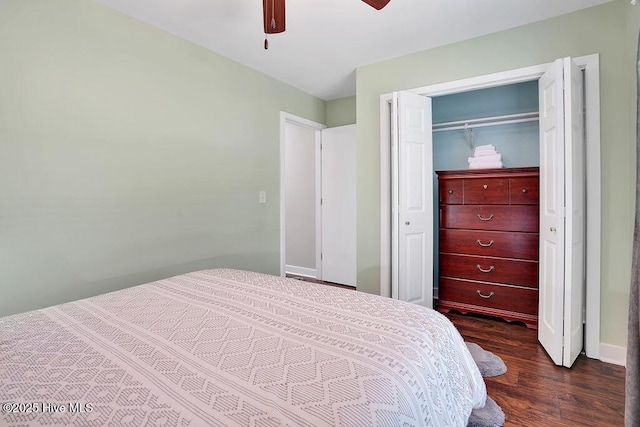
{"x":227,"y":347}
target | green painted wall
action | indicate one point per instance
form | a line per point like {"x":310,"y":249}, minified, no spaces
{"x":129,"y":155}
{"x":604,"y":30}
{"x":341,"y":111}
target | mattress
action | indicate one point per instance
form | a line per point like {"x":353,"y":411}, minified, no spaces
{"x":235,"y":348}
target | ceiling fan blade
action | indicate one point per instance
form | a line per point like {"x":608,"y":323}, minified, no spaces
{"x":376,"y":4}
{"x":273,"y":16}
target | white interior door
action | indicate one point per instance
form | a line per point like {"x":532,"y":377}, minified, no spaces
{"x":412,"y":186}
{"x":339,"y":205}
{"x":561,"y":278}
{"x":551,"y":262}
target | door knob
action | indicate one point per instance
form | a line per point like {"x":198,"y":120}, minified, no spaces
{"x":407,"y":223}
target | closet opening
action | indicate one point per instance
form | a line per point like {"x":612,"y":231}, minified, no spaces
{"x":470,"y":128}
{"x":501,"y":122}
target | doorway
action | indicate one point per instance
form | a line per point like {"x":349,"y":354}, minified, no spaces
{"x":301,"y":195}
{"x":590,"y":65}
{"x":317,"y":200}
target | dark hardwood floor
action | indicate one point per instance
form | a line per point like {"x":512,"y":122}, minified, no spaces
{"x":535,"y":392}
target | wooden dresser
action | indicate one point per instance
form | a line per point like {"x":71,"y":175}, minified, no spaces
{"x":488,"y":251}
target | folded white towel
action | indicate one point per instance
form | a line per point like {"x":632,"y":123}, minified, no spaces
{"x":484,"y":159}
{"x":485,"y":165}
{"x":483,"y":153}
{"x":485,"y":147}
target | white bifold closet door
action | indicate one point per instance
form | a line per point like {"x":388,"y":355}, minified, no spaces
{"x":338,"y":205}
{"x":412,"y":199}
{"x":562,"y":212}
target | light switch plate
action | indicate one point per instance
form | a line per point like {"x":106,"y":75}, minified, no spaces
{"x":262,"y":196}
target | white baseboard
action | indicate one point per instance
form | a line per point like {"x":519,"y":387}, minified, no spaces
{"x":301,"y":271}
{"x":613,"y":354}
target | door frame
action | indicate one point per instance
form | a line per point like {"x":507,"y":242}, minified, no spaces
{"x":317,"y":127}
{"x":591,"y":66}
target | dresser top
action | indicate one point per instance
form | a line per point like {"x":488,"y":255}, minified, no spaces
{"x":481,"y":173}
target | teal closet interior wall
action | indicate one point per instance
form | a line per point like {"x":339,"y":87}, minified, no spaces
{"x":518,"y":143}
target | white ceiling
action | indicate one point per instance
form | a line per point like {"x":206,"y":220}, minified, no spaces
{"x":326,"y":40}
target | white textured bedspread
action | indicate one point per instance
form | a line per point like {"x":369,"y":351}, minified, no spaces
{"x":234,"y":348}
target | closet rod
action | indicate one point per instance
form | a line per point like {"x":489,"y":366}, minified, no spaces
{"x":487,"y":121}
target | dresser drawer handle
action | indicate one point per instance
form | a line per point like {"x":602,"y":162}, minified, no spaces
{"x":482,"y":218}
{"x":485,"y":245}
{"x":450,"y":191}
{"x":485,"y":271}
{"x":525,"y":191}
{"x":484,"y":296}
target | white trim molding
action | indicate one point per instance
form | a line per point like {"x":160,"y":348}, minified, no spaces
{"x":301,"y":271}
{"x":613,"y":354}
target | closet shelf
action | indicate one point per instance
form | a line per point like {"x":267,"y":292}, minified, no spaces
{"x":486,"y":121}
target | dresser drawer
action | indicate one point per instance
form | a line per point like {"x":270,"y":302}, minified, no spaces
{"x":488,"y":217}
{"x":451,"y":192}
{"x":489,"y":269}
{"x":486,"y":191}
{"x":512,"y":298}
{"x":524,"y":191}
{"x":490,"y":243}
